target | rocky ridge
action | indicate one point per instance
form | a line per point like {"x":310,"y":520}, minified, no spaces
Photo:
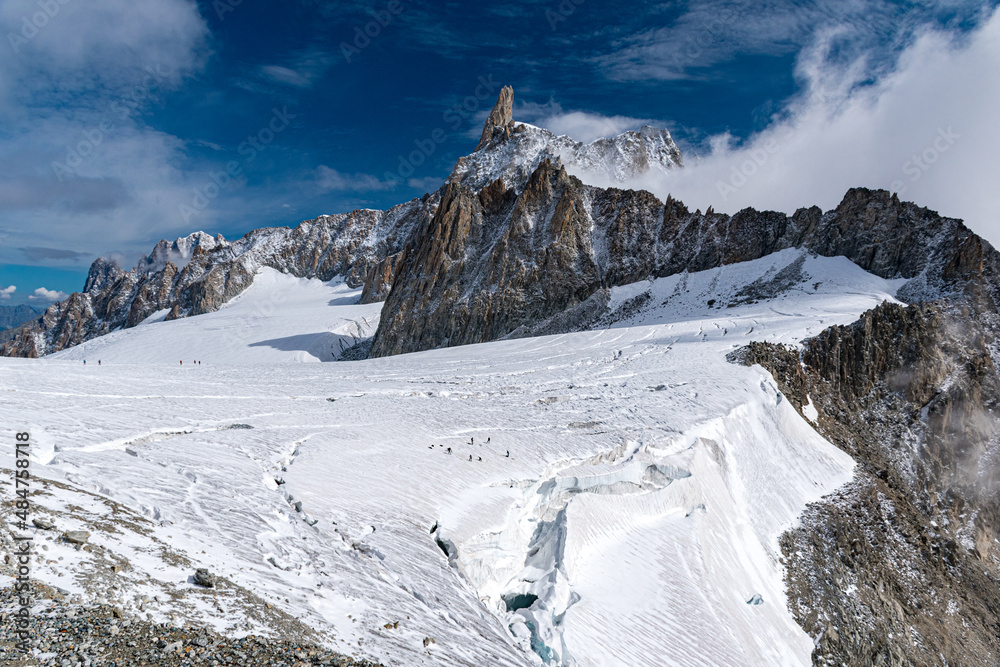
{"x":521,"y":247}
{"x":902,"y":566}
{"x":502,"y":262}
{"x":511,"y":151}
{"x":198,"y":274}
{"x":13,"y":316}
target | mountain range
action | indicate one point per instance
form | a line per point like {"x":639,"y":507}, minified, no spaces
{"x":898,"y":566}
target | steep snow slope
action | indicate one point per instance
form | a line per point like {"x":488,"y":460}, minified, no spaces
{"x":635,"y":521}
{"x":279,"y":318}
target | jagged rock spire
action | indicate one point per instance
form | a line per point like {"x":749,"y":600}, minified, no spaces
{"x":501,"y":119}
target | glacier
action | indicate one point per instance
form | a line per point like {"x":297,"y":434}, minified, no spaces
{"x":626,"y":509}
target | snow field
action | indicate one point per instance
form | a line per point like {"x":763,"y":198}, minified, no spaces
{"x":639,"y":511}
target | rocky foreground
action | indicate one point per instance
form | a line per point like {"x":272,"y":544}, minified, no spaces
{"x":65,"y":634}
{"x":121,"y":615}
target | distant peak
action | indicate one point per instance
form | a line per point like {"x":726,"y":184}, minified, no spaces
{"x":501,"y":119}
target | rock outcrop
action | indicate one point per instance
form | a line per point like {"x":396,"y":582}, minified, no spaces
{"x":505,"y":259}
{"x":500,"y":122}
{"x":198,"y":274}
{"x":512,"y":151}
{"x":902,"y":566}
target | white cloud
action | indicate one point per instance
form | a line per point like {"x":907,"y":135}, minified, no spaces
{"x":7,"y":292}
{"x":73,"y":92}
{"x":47,"y":295}
{"x":579,"y":125}
{"x":331,"y":180}
{"x":587,"y":127}
{"x":282,"y":74}
{"x":302,"y":70}
{"x":926,"y":130}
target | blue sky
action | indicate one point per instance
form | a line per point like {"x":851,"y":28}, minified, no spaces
{"x":123,"y":122}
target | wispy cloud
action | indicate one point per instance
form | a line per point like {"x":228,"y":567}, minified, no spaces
{"x":303,"y":69}
{"x":926,"y":129}
{"x":52,"y":254}
{"x":330,"y":180}
{"x":427,"y":184}
{"x":7,"y":292}
{"x":710,"y":32}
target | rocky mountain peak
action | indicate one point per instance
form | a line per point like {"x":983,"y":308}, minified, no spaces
{"x":501,"y":119}
{"x":512,"y":151}
{"x":180,"y":251}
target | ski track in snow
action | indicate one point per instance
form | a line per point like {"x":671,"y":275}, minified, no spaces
{"x":639,"y":510}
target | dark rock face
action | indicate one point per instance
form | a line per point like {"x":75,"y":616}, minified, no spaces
{"x":901,"y":567}
{"x":199,"y":274}
{"x":490,"y":262}
{"x":508,"y":259}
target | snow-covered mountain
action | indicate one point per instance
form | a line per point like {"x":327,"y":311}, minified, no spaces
{"x":680,"y":437}
{"x":511,"y":151}
{"x":197,"y":274}
{"x":14,"y":316}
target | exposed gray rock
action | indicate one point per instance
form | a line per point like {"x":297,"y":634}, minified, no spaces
{"x":503,"y":260}
{"x":77,"y":536}
{"x":203,"y":577}
{"x":499,"y":123}
{"x":198,"y":274}
{"x":901,"y":566}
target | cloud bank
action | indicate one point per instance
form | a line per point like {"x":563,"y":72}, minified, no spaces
{"x":925,"y":129}
{"x":81,"y":169}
